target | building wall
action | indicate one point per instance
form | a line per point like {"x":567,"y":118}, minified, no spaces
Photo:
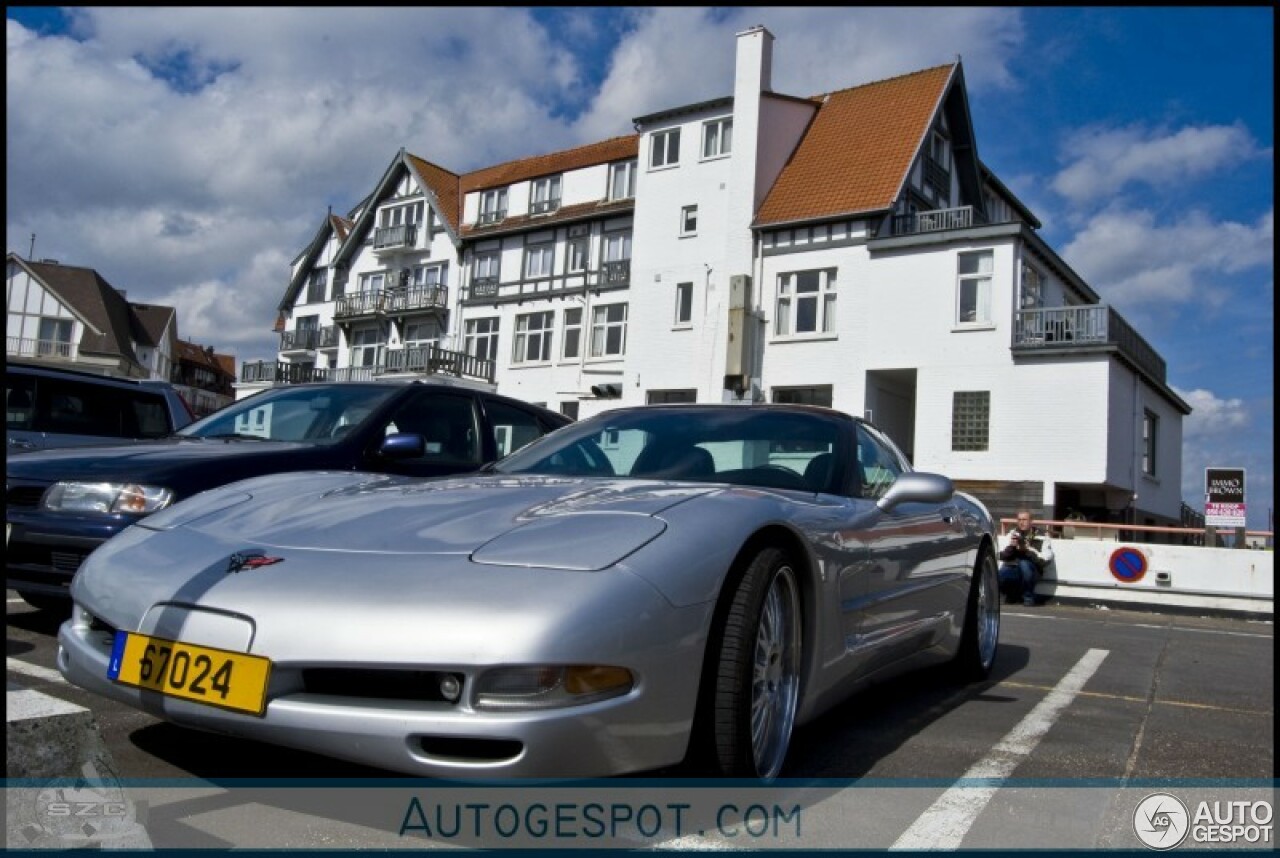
{"x":28,"y":302}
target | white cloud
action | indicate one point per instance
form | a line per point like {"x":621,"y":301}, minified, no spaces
{"x":1212,"y":415}
{"x":1131,"y":259}
{"x":1103,"y":161}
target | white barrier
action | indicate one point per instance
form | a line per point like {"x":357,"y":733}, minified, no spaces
{"x":1187,"y":576}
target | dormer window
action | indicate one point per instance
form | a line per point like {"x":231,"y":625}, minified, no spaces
{"x":315,"y":286}
{"x":545,"y":195}
{"x":493,"y":206}
{"x":622,"y":180}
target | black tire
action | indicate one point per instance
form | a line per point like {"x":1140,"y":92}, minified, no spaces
{"x":46,"y":602}
{"x":981,"y":636}
{"x":755,"y":671}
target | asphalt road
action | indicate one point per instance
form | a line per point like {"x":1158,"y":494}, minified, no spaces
{"x":1088,"y":711}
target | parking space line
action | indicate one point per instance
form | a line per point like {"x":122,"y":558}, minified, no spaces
{"x":945,"y":823}
{"x":24,"y":705}
{"x":33,"y":670}
{"x":1127,"y":698}
{"x":1157,"y":626}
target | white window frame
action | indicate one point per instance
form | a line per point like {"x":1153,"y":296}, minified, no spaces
{"x":1150,"y":435}
{"x":626,"y":171}
{"x":366,"y":347}
{"x":539,"y":260}
{"x":484,"y":261}
{"x":979,"y":283}
{"x":493,"y":206}
{"x":421,"y":333}
{"x":792,"y":304}
{"x":664,"y":149}
{"x":617,"y":246}
{"x":571,"y":341}
{"x":578,"y":255}
{"x":544,"y":195}
{"x":604,"y":328}
{"x":374,"y":281}
{"x":717,"y":138}
{"x":532,"y":342}
{"x":684,"y":305}
{"x":688,"y":221}
{"x":317,"y":279}
{"x":481,"y":337}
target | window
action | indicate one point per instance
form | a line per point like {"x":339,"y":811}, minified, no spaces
{"x":485,"y":269}
{"x":617,"y":247}
{"x":609,"y":330}
{"x":973,"y":295}
{"x":493,"y":206}
{"x":533,"y":337}
{"x":538,"y":259}
{"x":418,"y":334}
{"x":1032,"y":288}
{"x":578,"y":249}
{"x":366,"y":347}
{"x":717,"y":138}
{"x":689,"y":220}
{"x":572,"y":332}
{"x":315,"y":287}
{"x":806,"y":303}
{"x":816,"y":395}
{"x":665,"y":397}
{"x":970,"y":417}
{"x":545,"y":196}
{"x":54,"y":338}
{"x":569,"y":409}
{"x":512,"y":427}
{"x":372,"y":282}
{"x":1150,"y":423}
{"x":400,"y":215}
{"x":684,"y":303}
{"x":878,"y":466}
{"x":622,"y":180}
{"x":664,"y":148}
{"x":449,"y":425}
{"x":481,"y":338}
{"x":430,"y":275}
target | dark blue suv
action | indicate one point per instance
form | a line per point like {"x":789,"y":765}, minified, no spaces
{"x":61,"y":504}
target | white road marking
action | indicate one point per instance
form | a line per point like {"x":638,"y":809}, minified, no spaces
{"x":945,"y":823}
{"x":26,"y":704}
{"x":1156,"y":626}
{"x":33,"y":670}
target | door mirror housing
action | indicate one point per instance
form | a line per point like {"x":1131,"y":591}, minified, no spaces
{"x":403,"y":445}
{"x":917,"y":487}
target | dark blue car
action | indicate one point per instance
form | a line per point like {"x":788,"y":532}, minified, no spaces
{"x":61,"y":504}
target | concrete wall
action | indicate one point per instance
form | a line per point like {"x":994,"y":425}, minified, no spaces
{"x":1176,"y":576}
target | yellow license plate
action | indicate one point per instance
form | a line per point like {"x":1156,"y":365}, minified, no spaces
{"x":230,"y":680}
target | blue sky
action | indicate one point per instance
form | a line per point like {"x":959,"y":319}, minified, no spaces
{"x":188,"y":154}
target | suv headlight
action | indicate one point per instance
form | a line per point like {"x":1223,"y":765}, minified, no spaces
{"x":70,"y":496}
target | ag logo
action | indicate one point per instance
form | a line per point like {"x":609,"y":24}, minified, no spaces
{"x":250,"y":560}
{"x":1161,"y":821}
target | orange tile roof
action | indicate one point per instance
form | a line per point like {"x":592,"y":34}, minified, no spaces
{"x":444,"y":185}
{"x":857,"y":151}
{"x":613,"y":149}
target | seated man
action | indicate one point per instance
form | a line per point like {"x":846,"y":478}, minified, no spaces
{"x":1025,"y":554}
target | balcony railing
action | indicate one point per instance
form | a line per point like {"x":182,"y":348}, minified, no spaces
{"x":1097,"y":324}
{"x":50,"y":349}
{"x":487,"y":218}
{"x":616,"y":273}
{"x":933,"y":221}
{"x":426,"y":360}
{"x":410,"y":298}
{"x":391,"y":237}
{"x":360,"y":304}
{"x":309,"y":339}
{"x":484,"y":287}
{"x":544,"y":206}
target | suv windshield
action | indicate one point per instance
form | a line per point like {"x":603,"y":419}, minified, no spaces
{"x":318,"y":414}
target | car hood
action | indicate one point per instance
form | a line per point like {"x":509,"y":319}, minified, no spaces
{"x":365,"y":513}
{"x":141,"y":460}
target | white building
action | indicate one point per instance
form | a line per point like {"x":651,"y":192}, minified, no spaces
{"x":850,"y":250}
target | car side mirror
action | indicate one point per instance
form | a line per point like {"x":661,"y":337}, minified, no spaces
{"x":403,"y":445}
{"x":917,"y":487}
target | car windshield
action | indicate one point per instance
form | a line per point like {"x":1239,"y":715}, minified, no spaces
{"x":317,"y":414}
{"x":753,"y":446}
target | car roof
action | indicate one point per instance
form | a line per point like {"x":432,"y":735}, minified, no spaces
{"x":433,"y":385}
{"x":21,"y":368}
{"x":795,"y":408}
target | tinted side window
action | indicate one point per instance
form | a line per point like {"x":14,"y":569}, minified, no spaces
{"x":880,"y":467}
{"x":447,"y":421}
{"x":512,"y":427}
{"x":149,"y":414}
{"x":19,"y":401}
{"x":71,"y":407}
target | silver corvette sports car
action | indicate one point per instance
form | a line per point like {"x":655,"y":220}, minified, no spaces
{"x":647,"y":586}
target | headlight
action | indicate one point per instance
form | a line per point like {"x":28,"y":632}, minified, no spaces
{"x":106,"y":497}
{"x":548,"y":687}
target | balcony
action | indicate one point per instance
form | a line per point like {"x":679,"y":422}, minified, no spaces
{"x":933,"y":221}
{"x":42,"y":349}
{"x":413,"y":299}
{"x":1060,"y":329}
{"x":360,"y":305}
{"x":544,"y":206}
{"x":616,"y":273}
{"x":309,"y":339}
{"x":395,"y":237}
{"x":421,"y":360}
{"x":484,"y":287}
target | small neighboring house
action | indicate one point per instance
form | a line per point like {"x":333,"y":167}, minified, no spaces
{"x":849,"y":250}
{"x":203,"y":377}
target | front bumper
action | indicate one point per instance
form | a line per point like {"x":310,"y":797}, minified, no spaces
{"x":646,"y":728}
{"x":43,"y":551}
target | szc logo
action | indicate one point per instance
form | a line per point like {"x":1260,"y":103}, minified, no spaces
{"x":250,"y":560}
{"x":1161,"y":821}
